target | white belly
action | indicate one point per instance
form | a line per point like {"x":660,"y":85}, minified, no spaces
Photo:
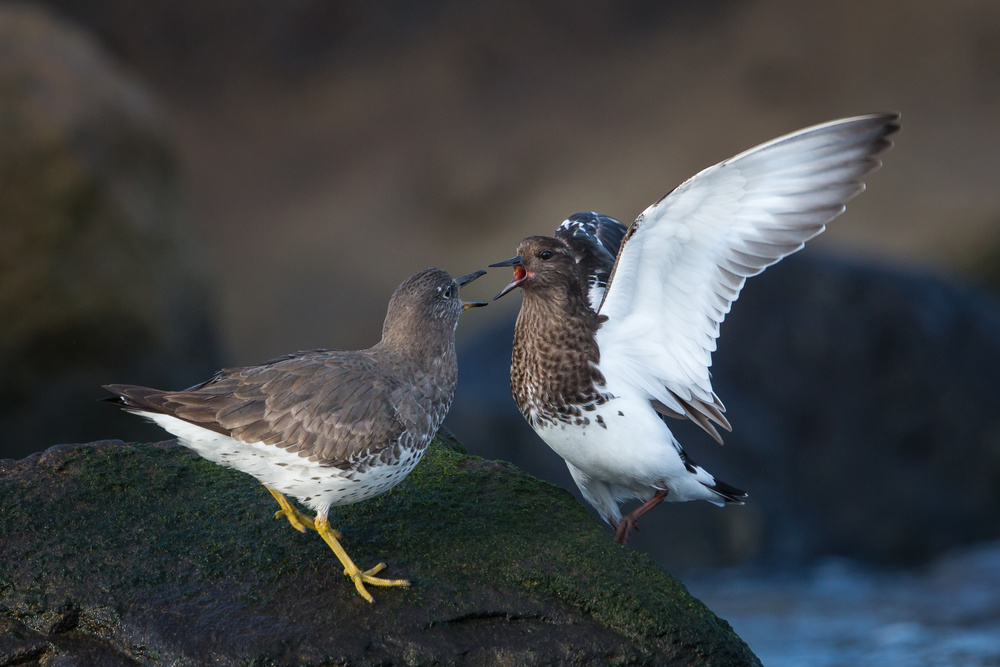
{"x":625,"y":443}
{"x":633,"y":453}
{"x":318,"y":487}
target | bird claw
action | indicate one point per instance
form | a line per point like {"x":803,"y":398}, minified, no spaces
{"x":630,"y":521}
{"x":299,"y":521}
{"x":373,"y":571}
{"x":367,"y":577}
{"x":296,"y":524}
{"x":624,"y":528}
{"x":358,"y":576}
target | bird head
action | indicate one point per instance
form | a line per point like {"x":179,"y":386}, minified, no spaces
{"x":427,"y":300}
{"x":541,"y":263}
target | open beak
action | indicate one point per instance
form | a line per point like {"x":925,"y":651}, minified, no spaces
{"x":462,"y":281}
{"x":520,"y":274}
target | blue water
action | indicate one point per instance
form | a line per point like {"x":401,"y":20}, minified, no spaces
{"x":842,"y":614}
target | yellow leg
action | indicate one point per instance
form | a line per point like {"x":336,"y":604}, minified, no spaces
{"x":322,"y":526}
{"x":299,"y":521}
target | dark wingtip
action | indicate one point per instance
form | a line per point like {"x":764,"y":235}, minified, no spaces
{"x":117,"y":399}
{"x":129,"y":396}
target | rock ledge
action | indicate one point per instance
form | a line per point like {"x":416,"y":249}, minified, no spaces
{"x":126,"y":554}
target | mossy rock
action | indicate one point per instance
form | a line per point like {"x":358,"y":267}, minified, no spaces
{"x":119,"y":553}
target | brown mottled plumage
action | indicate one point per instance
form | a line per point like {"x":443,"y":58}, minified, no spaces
{"x":329,"y":427}
{"x":554,"y":375}
{"x":328,"y":406}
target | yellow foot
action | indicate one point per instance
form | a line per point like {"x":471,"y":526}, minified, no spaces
{"x":359,"y":577}
{"x":367,"y":577}
{"x":299,"y":521}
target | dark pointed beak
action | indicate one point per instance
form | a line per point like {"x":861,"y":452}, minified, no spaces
{"x":520,"y":275}
{"x":513,"y":261}
{"x":462,"y":281}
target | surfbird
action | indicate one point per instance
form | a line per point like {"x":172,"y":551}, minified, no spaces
{"x":617,"y":327}
{"x":328,"y":427}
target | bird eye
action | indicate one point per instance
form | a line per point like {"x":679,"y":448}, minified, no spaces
{"x":449,"y":293}
{"x":545,"y":254}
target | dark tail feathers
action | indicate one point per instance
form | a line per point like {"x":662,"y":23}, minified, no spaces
{"x":729,"y":493}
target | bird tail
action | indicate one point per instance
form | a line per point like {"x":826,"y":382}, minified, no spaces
{"x":729,"y":494}
{"x":722,"y":493}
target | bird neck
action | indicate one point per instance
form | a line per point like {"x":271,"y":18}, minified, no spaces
{"x":427,"y":343}
{"x":562,"y":303}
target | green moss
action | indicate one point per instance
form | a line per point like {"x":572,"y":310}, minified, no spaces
{"x":138,"y":503}
{"x":142,"y":519}
{"x":537,"y":538}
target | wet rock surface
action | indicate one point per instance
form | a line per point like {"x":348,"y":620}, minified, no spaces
{"x":147,"y":554}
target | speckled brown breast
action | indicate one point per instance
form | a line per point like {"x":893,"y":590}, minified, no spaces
{"x":553,"y":374}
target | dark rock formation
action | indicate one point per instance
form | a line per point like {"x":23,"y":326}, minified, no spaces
{"x":120,"y":554}
{"x":865,"y":412}
{"x":98,"y":280}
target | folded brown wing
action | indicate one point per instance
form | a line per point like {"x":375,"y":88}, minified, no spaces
{"x":328,"y":407}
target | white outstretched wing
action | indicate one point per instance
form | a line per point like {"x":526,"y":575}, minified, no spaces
{"x":684,"y":260}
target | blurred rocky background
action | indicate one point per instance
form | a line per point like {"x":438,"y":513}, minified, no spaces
{"x":187,"y":185}
{"x":99,"y":276}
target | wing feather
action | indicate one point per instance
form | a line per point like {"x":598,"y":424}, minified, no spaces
{"x":329,"y":407}
{"x":594,"y":240}
{"x":685,"y":259}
